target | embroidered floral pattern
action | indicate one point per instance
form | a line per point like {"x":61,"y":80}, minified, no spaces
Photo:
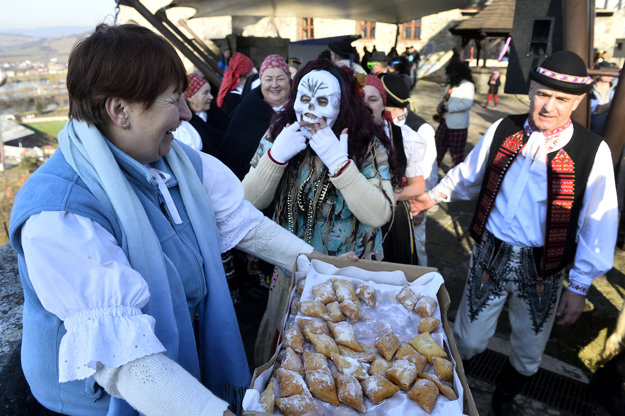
{"x":506,"y":154}
{"x":560,"y":208}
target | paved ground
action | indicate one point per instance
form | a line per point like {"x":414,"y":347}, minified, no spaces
{"x":571,"y":350}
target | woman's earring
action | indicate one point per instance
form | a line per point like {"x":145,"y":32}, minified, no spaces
{"x":125,"y":126}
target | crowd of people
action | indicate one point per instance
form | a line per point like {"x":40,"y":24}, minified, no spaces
{"x":160,"y":190}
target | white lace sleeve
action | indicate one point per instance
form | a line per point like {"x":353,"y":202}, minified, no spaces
{"x":85,"y":279}
{"x":157,"y":386}
{"x":274,"y":244}
{"x":235,"y":216}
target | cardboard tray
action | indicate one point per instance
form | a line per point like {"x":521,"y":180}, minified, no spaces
{"x":412,"y":273}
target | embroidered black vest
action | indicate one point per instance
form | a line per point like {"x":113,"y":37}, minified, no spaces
{"x":567,"y":173}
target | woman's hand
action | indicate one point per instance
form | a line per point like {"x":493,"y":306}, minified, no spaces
{"x":289,"y":142}
{"x":331,"y":150}
{"x":229,"y":413}
{"x":350,"y":255}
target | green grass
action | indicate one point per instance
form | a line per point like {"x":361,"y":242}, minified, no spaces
{"x":49,"y":128}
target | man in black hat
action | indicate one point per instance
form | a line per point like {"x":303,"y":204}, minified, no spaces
{"x":344,"y":54}
{"x":546,"y":208}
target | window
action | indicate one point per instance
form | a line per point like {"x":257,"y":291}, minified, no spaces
{"x":411,"y":30}
{"x":307,"y":28}
{"x":367,"y":29}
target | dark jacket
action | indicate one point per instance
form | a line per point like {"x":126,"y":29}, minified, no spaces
{"x":247,"y":126}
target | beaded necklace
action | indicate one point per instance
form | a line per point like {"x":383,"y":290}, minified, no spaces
{"x":305,"y":201}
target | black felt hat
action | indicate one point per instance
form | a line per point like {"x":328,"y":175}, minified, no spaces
{"x":343,"y":48}
{"x":563,"y":71}
{"x":397,"y":91}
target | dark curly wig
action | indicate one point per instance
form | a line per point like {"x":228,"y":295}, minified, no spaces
{"x":354,"y":115}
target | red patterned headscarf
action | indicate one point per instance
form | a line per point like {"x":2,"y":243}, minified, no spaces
{"x":195,"y":83}
{"x":377,"y":84}
{"x":275,"y":61}
{"x":239,"y":66}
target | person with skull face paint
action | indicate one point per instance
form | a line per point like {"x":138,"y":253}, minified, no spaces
{"x":326,"y":167}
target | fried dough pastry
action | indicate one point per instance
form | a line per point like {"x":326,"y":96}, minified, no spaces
{"x":366,"y":294}
{"x":407,"y":297}
{"x":296,"y":405}
{"x":291,"y":383}
{"x":267,"y":397}
{"x":426,"y":345}
{"x":349,"y":366}
{"x":442,"y":387}
{"x":299,"y":286}
{"x":312,"y":326}
{"x":428,"y":324}
{"x":403,"y":373}
{"x":350,"y":391}
{"x":344,"y":290}
{"x":294,"y":339}
{"x":425,"y":393}
{"x":379,"y":366}
{"x":443,"y":368}
{"x":378,"y":388}
{"x":295,"y":305}
{"x":324,"y":292}
{"x":344,"y":335}
{"x":314,"y":308}
{"x":292,"y":361}
{"x":321,"y":385}
{"x":334,"y":310}
{"x":363,"y":357}
{"x":426,"y":306}
{"x":350,"y":309}
{"x":407,"y":352}
{"x":387,"y":344}
{"x":324,"y":344}
{"x":315,"y":361}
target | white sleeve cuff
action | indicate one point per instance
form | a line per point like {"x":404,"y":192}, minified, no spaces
{"x":93,"y":339}
{"x":579,"y":285}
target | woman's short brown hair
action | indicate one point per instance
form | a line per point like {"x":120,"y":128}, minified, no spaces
{"x":127,"y":61}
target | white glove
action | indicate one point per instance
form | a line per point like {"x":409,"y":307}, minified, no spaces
{"x":331,"y":151}
{"x":289,"y":142}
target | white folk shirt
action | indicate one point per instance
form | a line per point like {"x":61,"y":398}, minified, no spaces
{"x":414,"y":148}
{"x":519,"y":214}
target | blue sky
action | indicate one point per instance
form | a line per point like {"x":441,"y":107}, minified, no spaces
{"x":30,"y":14}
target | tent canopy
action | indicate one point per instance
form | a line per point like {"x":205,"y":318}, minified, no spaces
{"x":389,"y":11}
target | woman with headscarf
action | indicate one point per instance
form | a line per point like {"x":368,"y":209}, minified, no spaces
{"x":399,"y":241}
{"x":229,"y":95}
{"x":208,"y":124}
{"x":119,"y":237}
{"x":252,"y":118}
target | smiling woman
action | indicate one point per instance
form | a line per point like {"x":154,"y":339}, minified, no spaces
{"x":114,"y":310}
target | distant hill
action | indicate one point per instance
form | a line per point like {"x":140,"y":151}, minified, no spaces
{"x":13,"y":46}
{"x":49,"y":32}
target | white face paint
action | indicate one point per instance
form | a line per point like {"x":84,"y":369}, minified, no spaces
{"x":318,"y":96}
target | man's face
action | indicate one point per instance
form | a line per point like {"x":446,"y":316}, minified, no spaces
{"x":549,"y":108}
{"x":318,"y":96}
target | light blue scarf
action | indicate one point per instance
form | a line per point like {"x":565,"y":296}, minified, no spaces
{"x":223,"y":365}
